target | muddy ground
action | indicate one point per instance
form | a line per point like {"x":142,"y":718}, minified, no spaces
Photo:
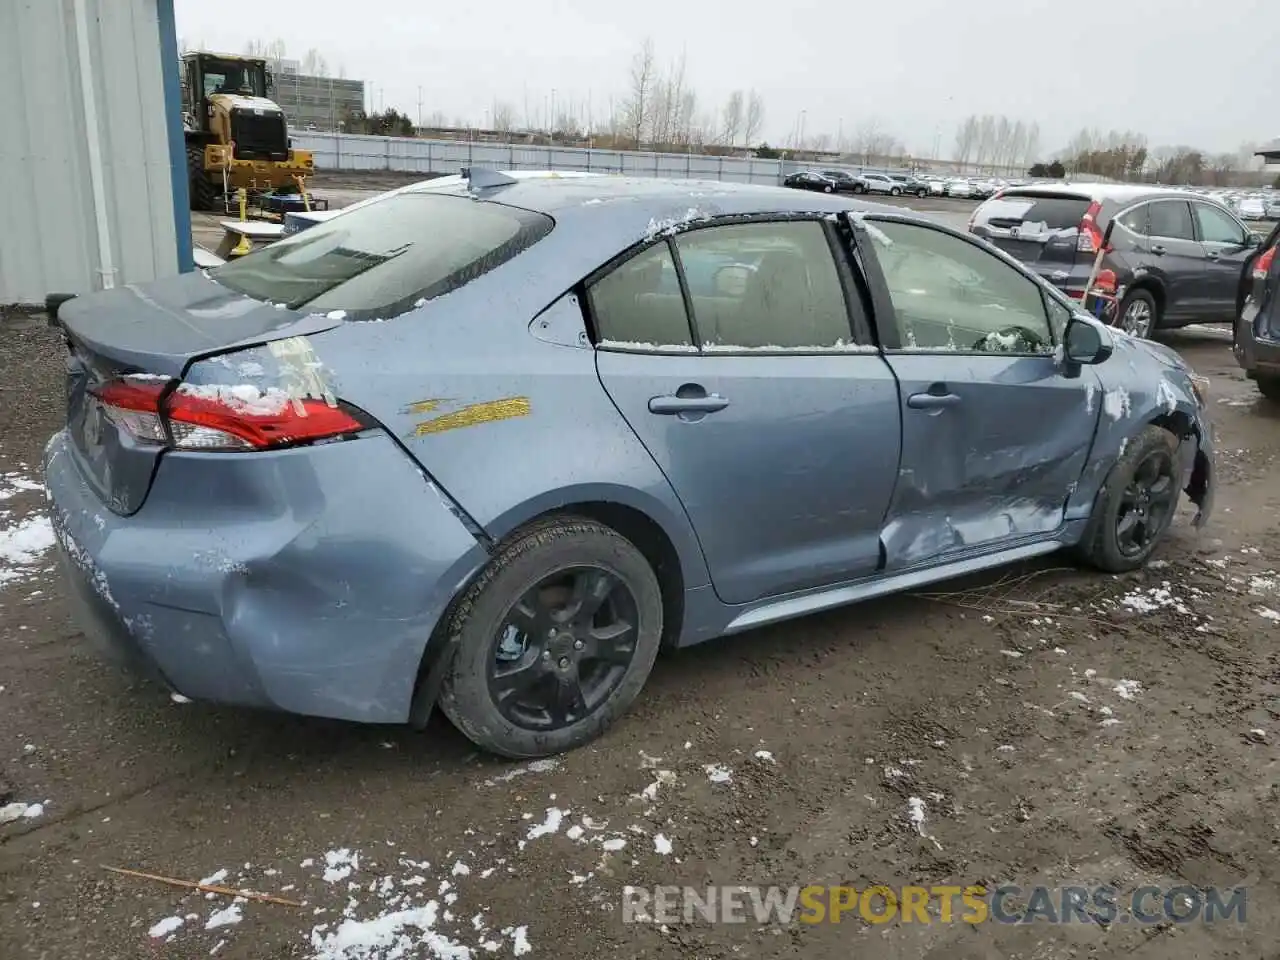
{"x":1053,"y":726}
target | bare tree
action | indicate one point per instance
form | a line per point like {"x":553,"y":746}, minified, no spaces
{"x":638,"y":109}
{"x":733,"y":118}
{"x":314,"y":64}
{"x":754,"y":118}
{"x":966,"y":139}
{"x":504,"y":117}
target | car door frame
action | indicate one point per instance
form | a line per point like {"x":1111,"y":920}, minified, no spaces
{"x":1224,"y":263}
{"x":883,"y":317}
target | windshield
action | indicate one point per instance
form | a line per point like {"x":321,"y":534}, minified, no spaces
{"x":227,"y":76}
{"x":382,"y":259}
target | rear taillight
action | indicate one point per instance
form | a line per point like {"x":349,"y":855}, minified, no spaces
{"x":1262,"y":266}
{"x":1089,"y":239}
{"x":197,"y":417}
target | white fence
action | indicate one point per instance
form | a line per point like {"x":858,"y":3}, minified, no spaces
{"x":352,"y":152}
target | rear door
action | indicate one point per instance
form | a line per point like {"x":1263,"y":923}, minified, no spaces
{"x":1178,"y":259}
{"x":776,"y":428}
{"x":1226,"y":245}
{"x":1040,"y":229}
{"x":994,"y":435}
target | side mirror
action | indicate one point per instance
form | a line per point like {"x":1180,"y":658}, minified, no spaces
{"x":1252,"y":239}
{"x":1085,"y":343}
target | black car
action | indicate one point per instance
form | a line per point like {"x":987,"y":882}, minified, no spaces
{"x":846,"y":182}
{"x":1256,"y":339}
{"x":809,"y":180}
{"x":1177,"y":256}
{"x":911,"y":184}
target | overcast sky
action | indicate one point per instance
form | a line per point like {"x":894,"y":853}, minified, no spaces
{"x":1180,"y":71}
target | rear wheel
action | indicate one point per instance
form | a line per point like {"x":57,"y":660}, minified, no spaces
{"x":1136,"y":504}
{"x":554,"y":640}
{"x":922,"y":193}
{"x":1137,"y":314}
{"x":1270,"y":388}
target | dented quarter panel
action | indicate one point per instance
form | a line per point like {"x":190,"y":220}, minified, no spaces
{"x":320,"y":602}
{"x":509,"y":424}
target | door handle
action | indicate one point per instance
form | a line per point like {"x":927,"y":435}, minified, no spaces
{"x":1212,"y":254}
{"x":677,"y":405}
{"x":1158,"y":250}
{"x":932,"y":401}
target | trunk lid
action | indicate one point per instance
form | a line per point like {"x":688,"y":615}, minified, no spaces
{"x":1036,"y":228}
{"x":152,"y":335}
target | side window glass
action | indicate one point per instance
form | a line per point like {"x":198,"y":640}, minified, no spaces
{"x":756,"y":286}
{"x":1216,"y":226}
{"x":639,"y":305}
{"x":950,"y":294}
{"x":1135,"y":220}
{"x":1171,"y":219}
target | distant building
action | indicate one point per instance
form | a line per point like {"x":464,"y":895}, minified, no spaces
{"x":1270,"y":151}
{"x":314,"y":103}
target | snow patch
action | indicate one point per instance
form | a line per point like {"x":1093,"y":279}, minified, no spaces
{"x":1116,"y":403}
{"x":165,"y":927}
{"x":717,"y":773}
{"x":22,"y":546}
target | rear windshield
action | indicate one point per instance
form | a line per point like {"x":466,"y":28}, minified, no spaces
{"x":1055,"y":211}
{"x":382,"y":259}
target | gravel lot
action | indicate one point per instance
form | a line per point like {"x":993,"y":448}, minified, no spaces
{"x":1061,"y":727}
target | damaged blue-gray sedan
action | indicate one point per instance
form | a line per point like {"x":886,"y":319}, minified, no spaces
{"x":491,"y":443}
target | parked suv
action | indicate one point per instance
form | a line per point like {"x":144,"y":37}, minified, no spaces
{"x":911,"y":184}
{"x":1177,"y":256}
{"x":845,"y":181}
{"x":1256,"y":339}
{"x":881,"y":183}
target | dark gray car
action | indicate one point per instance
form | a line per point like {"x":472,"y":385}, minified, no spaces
{"x":1177,"y":256}
{"x":1256,"y":339}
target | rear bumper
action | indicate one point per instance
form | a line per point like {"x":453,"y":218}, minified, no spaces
{"x":1257,"y":355}
{"x":307,"y":580}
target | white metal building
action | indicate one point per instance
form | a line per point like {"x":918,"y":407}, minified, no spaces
{"x":93,"y":184}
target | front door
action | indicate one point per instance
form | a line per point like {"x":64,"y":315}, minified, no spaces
{"x":776,"y":430}
{"x":994,"y":436}
{"x":1227,"y":247}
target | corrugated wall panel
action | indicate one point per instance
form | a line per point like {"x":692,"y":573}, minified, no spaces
{"x":44,"y":155}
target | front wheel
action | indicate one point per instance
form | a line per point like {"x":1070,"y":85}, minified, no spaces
{"x":859,"y":188}
{"x":1136,"y":505}
{"x":1270,"y":388}
{"x":895,"y":192}
{"x":553,"y":640}
{"x":922,"y":194}
{"x":827,"y":188}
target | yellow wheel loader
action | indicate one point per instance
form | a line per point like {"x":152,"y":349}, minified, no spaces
{"x":235,"y":136}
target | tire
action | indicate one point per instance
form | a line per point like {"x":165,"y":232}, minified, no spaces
{"x":895,"y":192}
{"x":1269,"y":387}
{"x":1138,"y":300}
{"x":204,"y":194}
{"x":476,"y":631}
{"x":922,"y":194}
{"x":859,"y":188}
{"x":826,"y":189}
{"x":1102,"y":545}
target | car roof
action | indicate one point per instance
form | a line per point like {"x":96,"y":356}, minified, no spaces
{"x":1119,"y":193}
{"x":620,"y":211}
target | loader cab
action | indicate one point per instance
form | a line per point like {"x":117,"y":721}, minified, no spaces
{"x":226,"y":101}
